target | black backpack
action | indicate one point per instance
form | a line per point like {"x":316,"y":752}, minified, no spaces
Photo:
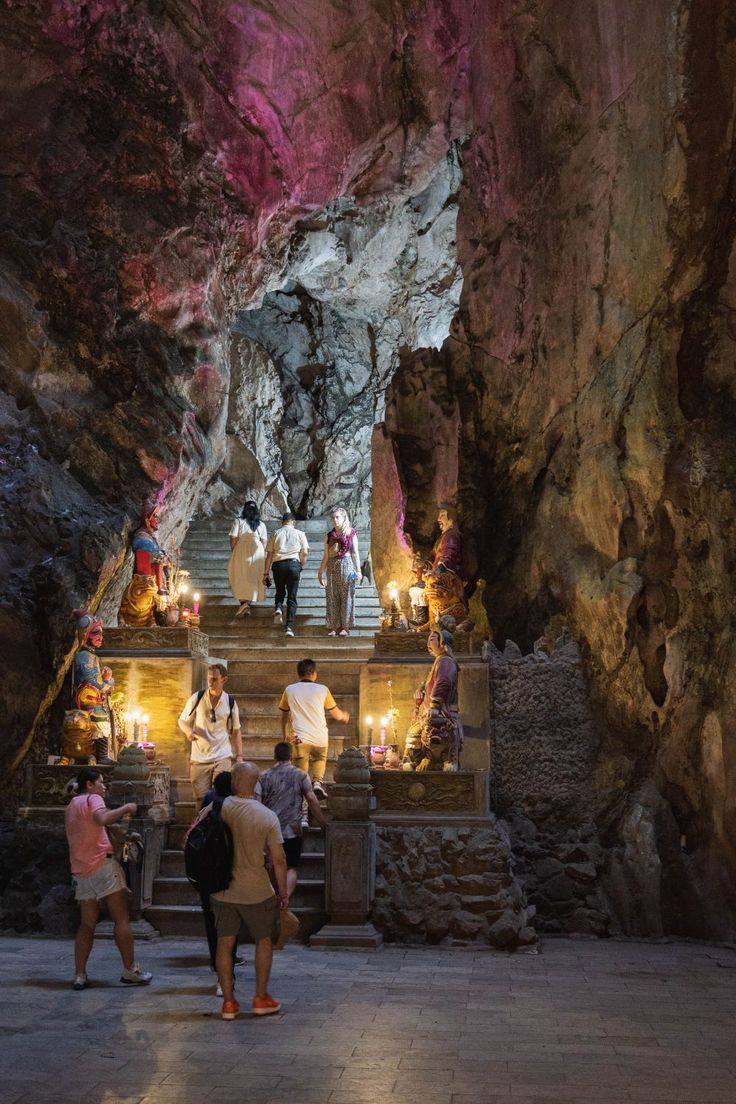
{"x":208,"y":852}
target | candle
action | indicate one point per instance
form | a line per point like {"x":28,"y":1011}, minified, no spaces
{"x":393,"y":593}
{"x":382,"y":733}
{"x":195,"y":605}
{"x":136,"y":725}
{"x":369,"y":726}
{"x":185,"y":613}
{"x":144,"y":726}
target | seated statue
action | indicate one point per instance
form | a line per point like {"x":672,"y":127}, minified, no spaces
{"x":150,"y":582}
{"x":435,"y":737}
{"x":444,"y":589}
{"x":92,"y":685}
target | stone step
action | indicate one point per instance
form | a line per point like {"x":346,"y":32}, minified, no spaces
{"x":218,"y":595}
{"x":342,"y":662}
{"x":289,"y":649}
{"x":266,"y":705}
{"x":224,"y":606}
{"x":206,"y":536}
{"x":271,"y":678}
{"x":187,"y":920}
{"x":260,"y":732}
{"x":311,"y":864}
{"x":310,"y":892}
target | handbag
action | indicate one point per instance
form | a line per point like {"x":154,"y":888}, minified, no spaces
{"x":288,"y":927}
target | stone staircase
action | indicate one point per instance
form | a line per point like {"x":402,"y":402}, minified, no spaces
{"x":261,"y":661}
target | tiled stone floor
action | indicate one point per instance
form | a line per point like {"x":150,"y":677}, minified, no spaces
{"x":581,"y":1022}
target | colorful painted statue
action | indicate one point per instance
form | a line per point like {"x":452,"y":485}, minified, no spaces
{"x":150,"y":582}
{"x":435,"y":737}
{"x":443,"y":586}
{"x":92,"y":685}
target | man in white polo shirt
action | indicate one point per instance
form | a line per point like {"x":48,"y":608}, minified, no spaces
{"x":286,"y":553}
{"x":211,"y":724}
{"x":303,"y":706}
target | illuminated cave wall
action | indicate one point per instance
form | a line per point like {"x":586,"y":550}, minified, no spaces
{"x":158,"y":160}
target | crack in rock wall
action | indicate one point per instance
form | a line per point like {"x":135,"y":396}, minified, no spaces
{"x":156,"y":160}
{"x":358,"y":283}
{"x":591,"y":373}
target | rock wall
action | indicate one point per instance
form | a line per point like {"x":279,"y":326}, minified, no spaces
{"x":160,"y":161}
{"x":161,"y":164}
{"x":36,"y":892}
{"x":452,"y":886}
{"x":544,"y":750}
{"x":590,"y":375}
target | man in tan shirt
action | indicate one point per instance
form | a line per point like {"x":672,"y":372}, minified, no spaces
{"x":249,"y":899}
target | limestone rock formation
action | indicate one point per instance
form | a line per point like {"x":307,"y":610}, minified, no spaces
{"x":172,"y":170}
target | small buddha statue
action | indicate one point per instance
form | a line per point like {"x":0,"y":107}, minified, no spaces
{"x":151,"y":574}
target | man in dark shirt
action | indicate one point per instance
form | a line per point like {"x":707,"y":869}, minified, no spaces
{"x":283,"y":788}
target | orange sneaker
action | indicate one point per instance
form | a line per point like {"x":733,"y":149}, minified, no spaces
{"x":230,"y":1009}
{"x":265,"y":1006}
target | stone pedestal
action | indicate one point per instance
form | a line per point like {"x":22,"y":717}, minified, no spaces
{"x":350,"y":860}
{"x":350,"y":865}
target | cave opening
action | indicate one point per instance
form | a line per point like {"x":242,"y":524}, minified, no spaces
{"x":360,"y":286}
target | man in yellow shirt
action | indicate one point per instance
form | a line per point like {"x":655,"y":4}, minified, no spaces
{"x":303,"y":707}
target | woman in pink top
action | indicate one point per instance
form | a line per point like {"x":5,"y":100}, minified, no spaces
{"x":98,"y":876}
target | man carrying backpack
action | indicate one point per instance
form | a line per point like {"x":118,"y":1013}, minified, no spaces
{"x":211,"y":724}
{"x":249,"y":900}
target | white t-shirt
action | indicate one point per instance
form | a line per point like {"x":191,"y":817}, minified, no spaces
{"x":241,"y":528}
{"x":286,"y":544}
{"x":215,"y":744}
{"x":307,"y":702}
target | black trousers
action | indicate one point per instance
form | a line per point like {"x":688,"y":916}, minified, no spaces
{"x":286,"y":575}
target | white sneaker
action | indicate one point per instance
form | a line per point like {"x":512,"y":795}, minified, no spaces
{"x":136,"y":976}
{"x":305,"y":823}
{"x":278,"y":617}
{"x":289,"y":631}
{"x":319,"y":790}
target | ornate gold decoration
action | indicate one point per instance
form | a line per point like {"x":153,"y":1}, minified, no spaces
{"x":156,"y":640}
{"x":445,"y":791}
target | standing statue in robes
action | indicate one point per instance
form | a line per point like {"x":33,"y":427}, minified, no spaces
{"x":88,"y":729}
{"x":435,"y":737}
{"x":149,"y":587}
{"x":444,"y":590}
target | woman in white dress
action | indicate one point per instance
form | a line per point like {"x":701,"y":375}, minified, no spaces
{"x":248,"y":539}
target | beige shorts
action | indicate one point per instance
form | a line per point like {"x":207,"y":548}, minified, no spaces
{"x":108,"y":878}
{"x":261,"y":920}
{"x":202,"y":775}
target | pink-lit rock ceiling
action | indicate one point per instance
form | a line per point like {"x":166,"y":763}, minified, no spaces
{"x":161,"y":160}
